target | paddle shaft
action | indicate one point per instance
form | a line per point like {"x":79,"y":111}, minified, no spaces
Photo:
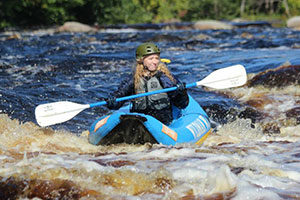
{"x":101,"y":103}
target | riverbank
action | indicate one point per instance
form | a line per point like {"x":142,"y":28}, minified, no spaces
{"x":73,"y":26}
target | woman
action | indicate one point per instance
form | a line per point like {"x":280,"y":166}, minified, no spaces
{"x":150,"y":75}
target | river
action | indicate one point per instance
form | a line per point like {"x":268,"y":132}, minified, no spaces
{"x":252,"y":153}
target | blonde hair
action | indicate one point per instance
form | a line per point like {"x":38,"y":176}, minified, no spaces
{"x":139,"y":71}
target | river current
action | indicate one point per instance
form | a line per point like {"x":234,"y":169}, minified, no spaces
{"x":252,"y":153}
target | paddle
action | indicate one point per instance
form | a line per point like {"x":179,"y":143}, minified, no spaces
{"x":58,"y":112}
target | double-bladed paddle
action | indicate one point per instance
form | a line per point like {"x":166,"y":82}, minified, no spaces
{"x":58,"y":112}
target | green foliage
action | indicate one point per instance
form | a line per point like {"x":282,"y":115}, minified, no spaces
{"x":294,"y":6}
{"x":28,"y":13}
{"x":166,"y":10}
{"x":38,"y":12}
{"x":127,"y":12}
{"x":139,"y":11}
{"x":212,"y":9}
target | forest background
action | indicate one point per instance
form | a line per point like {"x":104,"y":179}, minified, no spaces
{"x":43,"y":13}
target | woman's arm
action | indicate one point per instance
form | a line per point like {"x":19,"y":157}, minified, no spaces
{"x":125,"y":88}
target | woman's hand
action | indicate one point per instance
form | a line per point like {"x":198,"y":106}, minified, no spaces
{"x":181,"y":86}
{"x":111,"y":102}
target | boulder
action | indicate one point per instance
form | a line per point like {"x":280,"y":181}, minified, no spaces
{"x":75,"y":27}
{"x":211,"y":24}
{"x":294,"y":113}
{"x":279,"y":77}
{"x":294,"y":23}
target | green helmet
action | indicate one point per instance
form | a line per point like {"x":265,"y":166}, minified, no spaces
{"x":145,"y":49}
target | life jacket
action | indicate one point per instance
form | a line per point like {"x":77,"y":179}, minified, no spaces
{"x":152,"y":102}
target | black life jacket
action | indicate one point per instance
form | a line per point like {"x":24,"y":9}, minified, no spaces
{"x":153,"y":102}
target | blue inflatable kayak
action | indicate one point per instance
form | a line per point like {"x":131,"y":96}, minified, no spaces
{"x":190,"y":125}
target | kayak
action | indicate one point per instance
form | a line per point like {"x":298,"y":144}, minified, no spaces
{"x":190,"y":125}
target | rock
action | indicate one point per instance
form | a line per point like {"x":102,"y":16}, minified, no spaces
{"x":75,"y":27}
{"x":221,"y":114}
{"x":279,"y":77}
{"x":211,"y":24}
{"x":252,"y":113}
{"x":18,"y":188}
{"x":11,"y":36}
{"x":294,"y":23}
{"x":271,"y":128}
{"x":16,"y":36}
{"x":294,"y":113}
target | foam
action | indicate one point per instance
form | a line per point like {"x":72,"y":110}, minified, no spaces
{"x":236,"y":162}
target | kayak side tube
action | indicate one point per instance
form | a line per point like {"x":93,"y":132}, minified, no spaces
{"x":191,"y":125}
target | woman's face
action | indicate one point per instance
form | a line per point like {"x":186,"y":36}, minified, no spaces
{"x":151,"y":62}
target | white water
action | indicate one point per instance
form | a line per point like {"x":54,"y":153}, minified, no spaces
{"x":236,"y":162}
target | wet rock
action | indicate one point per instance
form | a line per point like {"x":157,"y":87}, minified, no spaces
{"x":259,"y":101}
{"x":294,"y":113}
{"x":211,"y":24}
{"x":75,"y":27}
{"x":116,"y":163}
{"x":13,"y":36}
{"x":271,"y":128}
{"x":55,"y":189}
{"x":237,"y":170}
{"x":120,"y":163}
{"x":251,"y":113}
{"x":294,"y":23}
{"x":12,"y":188}
{"x":216,"y":196}
{"x":5,"y":66}
{"x":297,"y":155}
{"x":219,"y":113}
{"x":223,"y":115}
{"x":279,"y":77}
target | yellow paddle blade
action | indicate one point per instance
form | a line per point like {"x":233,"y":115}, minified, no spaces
{"x":165,"y":60}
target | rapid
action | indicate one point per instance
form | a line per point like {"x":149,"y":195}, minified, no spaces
{"x":252,"y":153}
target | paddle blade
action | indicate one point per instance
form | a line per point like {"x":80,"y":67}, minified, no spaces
{"x":228,"y":77}
{"x":58,"y":112}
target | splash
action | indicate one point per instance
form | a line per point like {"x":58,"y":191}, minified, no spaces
{"x":236,"y":162}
